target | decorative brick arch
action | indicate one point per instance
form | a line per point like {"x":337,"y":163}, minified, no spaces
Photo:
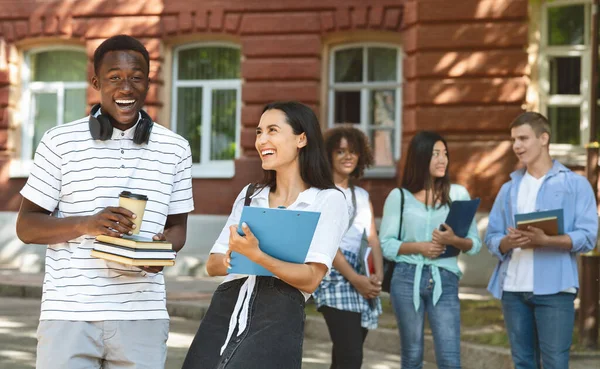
{"x":373,"y":17}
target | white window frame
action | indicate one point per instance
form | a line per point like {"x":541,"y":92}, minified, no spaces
{"x":208,"y":168}
{"x":582,"y":100}
{"x":365,"y":88}
{"x":20,"y":167}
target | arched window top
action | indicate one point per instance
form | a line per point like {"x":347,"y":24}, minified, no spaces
{"x":208,"y":61}
{"x":365,"y":63}
{"x":64,"y":64}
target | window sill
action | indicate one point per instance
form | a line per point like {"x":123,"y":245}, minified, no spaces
{"x":215,"y":169}
{"x":569,"y":155}
{"x":20,"y":168}
{"x":380,"y":172}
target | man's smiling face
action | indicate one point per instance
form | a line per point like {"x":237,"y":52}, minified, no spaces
{"x":122,"y":80}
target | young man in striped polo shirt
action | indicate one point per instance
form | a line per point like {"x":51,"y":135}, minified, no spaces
{"x":97,"y":313}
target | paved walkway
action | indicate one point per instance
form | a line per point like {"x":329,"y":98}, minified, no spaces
{"x":188,"y":298}
{"x":19,"y":319}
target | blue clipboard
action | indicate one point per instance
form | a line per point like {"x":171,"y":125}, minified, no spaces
{"x":283,"y":234}
{"x":459,"y":218}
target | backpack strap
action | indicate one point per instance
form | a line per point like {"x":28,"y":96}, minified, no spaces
{"x":401,"y":213}
{"x":249,"y":193}
{"x":354,"y":210}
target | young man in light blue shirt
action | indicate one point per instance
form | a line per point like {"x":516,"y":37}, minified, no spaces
{"x":536,"y":276}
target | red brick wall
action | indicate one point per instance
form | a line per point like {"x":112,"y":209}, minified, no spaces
{"x":464,"y":68}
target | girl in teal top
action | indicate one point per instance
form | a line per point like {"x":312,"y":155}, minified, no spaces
{"x":422,"y":282}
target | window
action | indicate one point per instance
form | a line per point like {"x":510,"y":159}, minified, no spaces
{"x":365,"y":90}
{"x":54,"y":92}
{"x":565,"y":70}
{"x":206,"y":105}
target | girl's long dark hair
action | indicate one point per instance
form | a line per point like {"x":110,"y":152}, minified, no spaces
{"x":417,"y":176}
{"x":314,"y":166}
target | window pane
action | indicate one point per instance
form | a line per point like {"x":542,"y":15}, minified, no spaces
{"x":349,"y":65}
{"x":204,"y":63}
{"x":60,"y":65}
{"x":383,"y":108}
{"x":347,"y":107}
{"x":383,"y":64}
{"x":565,"y":75}
{"x":189,"y":118}
{"x":44,"y":115}
{"x":382,"y":144}
{"x":565,"y":25}
{"x":383,"y":115}
{"x":75,"y":103}
{"x":564,"y":124}
{"x":222,"y":139}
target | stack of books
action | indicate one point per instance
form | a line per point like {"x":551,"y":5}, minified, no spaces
{"x":549,"y":221}
{"x":134,"y":250}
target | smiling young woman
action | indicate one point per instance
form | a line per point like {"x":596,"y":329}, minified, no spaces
{"x":422,"y":282}
{"x":266,"y":328}
{"x":347,"y":297}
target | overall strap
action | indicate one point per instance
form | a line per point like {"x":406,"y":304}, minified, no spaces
{"x":249,"y":193}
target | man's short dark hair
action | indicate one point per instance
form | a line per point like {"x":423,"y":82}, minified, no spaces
{"x":119,"y":42}
{"x":537,"y":121}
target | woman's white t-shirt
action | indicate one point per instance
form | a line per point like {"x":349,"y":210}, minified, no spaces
{"x":331,"y":227}
{"x":362,"y":221}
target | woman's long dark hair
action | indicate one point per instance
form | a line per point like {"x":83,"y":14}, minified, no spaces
{"x":417,"y":176}
{"x":314,"y":166}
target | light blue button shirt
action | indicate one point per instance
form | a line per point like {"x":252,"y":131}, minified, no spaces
{"x":554,"y":270}
{"x":418,"y":224}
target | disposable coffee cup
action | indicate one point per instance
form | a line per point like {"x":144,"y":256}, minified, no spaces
{"x":135,"y":203}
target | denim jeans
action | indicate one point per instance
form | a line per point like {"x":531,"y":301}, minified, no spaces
{"x":272,"y":339}
{"x":444,"y":317}
{"x":539,"y":327}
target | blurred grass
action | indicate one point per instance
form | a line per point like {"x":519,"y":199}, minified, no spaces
{"x":482,"y":322}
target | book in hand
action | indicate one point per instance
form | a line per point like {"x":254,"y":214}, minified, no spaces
{"x":133,"y":253}
{"x":134,"y":250}
{"x":366,"y":263}
{"x":283,"y":234}
{"x":460,"y":217}
{"x":130,"y":261}
{"x":549,"y":221}
{"x":365,"y":257}
{"x":135,"y":241}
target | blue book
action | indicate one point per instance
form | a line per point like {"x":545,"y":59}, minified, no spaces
{"x":283,"y":234}
{"x":549,"y":221}
{"x":460,"y":217}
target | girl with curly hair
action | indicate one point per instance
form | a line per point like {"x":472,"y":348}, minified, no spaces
{"x":347,"y":297}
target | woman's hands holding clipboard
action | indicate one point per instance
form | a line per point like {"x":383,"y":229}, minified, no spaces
{"x":246,"y":245}
{"x":444,"y":236}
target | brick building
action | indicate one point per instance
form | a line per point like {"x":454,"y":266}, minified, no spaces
{"x":464,"y":68}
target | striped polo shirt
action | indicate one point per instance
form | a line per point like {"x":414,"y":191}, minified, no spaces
{"x":75,"y":175}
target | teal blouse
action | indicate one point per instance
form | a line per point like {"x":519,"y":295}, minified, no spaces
{"x":418,"y":224}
